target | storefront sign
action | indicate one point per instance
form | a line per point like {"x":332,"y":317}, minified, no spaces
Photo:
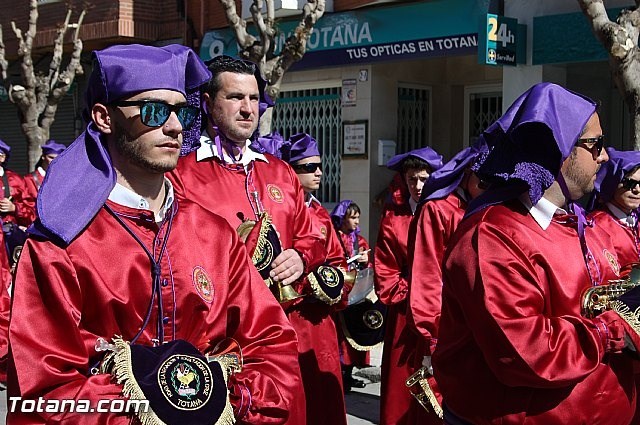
{"x":499,"y":45}
{"x":434,"y":28}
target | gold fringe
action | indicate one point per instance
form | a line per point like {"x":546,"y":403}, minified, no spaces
{"x":351,"y":341}
{"x":123,"y":374}
{"x":424,"y":384}
{"x":319,"y":292}
{"x":631,"y":317}
{"x":262,"y":236}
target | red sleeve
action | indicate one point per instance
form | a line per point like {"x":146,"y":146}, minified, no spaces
{"x":506,"y":307}
{"x":23,"y":199}
{"x":5,"y":307}
{"x":432,"y":232}
{"x":268,"y":389}
{"x":390,"y":263}
{"x":48,"y":356}
{"x":306,"y":241}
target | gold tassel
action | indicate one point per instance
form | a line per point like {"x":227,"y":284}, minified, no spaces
{"x":123,"y":373}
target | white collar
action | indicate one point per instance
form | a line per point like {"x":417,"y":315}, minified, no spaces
{"x":126,"y":197}
{"x":208,"y":149}
{"x":543,"y":211}
{"x":311,"y":200}
{"x":41,"y":171}
{"x":624,"y":218}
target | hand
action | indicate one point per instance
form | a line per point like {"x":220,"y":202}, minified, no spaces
{"x":364,"y":256}
{"x":6,"y":205}
{"x":426,"y":362}
{"x":287,"y":267}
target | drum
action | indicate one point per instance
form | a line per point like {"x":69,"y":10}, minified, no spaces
{"x":363,"y":324}
{"x":362,"y":287}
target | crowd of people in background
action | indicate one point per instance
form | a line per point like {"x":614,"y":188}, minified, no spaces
{"x":175,"y":256}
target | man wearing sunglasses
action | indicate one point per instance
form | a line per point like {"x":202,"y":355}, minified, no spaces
{"x":514,"y":345}
{"x":114,"y":255}
{"x":617,"y":197}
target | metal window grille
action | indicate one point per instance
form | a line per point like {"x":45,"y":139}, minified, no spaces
{"x":316,"y":112}
{"x":413,"y":118}
{"x":484,"y":109}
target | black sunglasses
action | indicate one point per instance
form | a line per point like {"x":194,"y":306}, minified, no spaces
{"x":597,"y":144}
{"x":309,"y":167}
{"x":154,"y":113}
{"x":629,"y":184}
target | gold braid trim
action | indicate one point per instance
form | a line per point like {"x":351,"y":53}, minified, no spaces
{"x":319,"y":293}
{"x":262,"y":236}
{"x":351,"y":341}
{"x":424,"y":384}
{"x":631,"y":317}
{"x":123,"y":374}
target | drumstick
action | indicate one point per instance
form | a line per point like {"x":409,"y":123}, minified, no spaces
{"x":358,"y":255}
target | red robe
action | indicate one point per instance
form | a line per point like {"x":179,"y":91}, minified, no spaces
{"x":349,"y":356}
{"x":513,"y":347}
{"x":391,"y":268}
{"x":22,"y":198}
{"x":622,"y":236}
{"x":434,"y":227}
{"x":227,"y":191}
{"x":100,"y":286}
{"x":5,"y":309}
{"x":318,"y":342}
{"x":33,"y":181}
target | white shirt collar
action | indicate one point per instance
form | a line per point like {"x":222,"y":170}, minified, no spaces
{"x":208,"y":149}
{"x":41,"y":171}
{"x":311,"y":200}
{"x":624,"y":218}
{"x":128,"y":198}
{"x":543,"y":211}
{"x":1,"y":171}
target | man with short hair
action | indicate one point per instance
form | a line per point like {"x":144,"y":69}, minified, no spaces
{"x":513,"y":344}
{"x":391,"y":267}
{"x":118,"y":274}
{"x":230,"y":176}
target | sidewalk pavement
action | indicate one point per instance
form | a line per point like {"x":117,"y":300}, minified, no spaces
{"x":363,"y":404}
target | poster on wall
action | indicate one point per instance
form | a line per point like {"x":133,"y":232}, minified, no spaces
{"x":349,"y":92}
{"x":354,"y":139}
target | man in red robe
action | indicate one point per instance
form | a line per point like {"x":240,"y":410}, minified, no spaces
{"x":317,"y":339}
{"x":444,"y":200}
{"x":391,"y":269}
{"x":618,"y":198}
{"x":114,"y":254}
{"x":513,"y":345}
{"x":50,"y":151}
{"x":226,"y":176}
{"x":16,"y":204}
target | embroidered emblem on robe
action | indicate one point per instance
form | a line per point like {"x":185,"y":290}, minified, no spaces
{"x":203,"y":284}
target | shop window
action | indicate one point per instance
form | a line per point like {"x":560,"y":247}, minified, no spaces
{"x":315,"y":111}
{"x":413,"y":117}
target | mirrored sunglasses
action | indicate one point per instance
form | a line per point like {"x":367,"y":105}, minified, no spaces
{"x":593,"y":144}
{"x":629,"y":184}
{"x":156,"y":113}
{"x":309,"y":167}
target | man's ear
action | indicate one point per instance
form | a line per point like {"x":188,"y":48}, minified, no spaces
{"x":102,"y":118}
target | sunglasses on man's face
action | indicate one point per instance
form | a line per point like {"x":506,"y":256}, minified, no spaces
{"x":593,"y":144}
{"x":629,"y":184}
{"x":154,"y":113}
{"x":309,"y":167}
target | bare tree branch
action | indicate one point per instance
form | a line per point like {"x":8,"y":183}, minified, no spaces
{"x":245,"y":40}
{"x":58,"y":45}
{"x":4,"y":65}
